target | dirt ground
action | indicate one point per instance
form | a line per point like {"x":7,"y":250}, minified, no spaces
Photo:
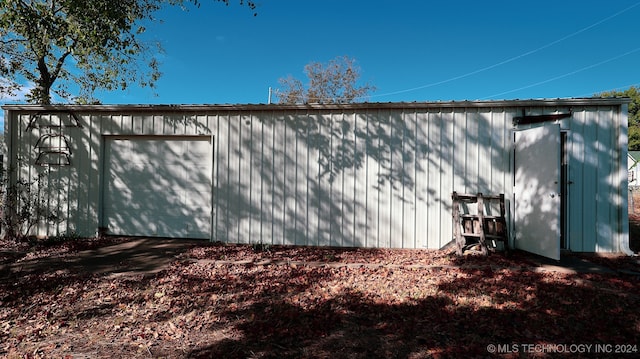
{"x":119,"y":297}
{"x":233,"y":301}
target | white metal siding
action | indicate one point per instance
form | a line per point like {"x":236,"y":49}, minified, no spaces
{"x":373,"y":178}
{"x":364,"y":175}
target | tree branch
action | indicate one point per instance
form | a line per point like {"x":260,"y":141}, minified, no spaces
{"x":10,"y":41}
{"x":60,"y":63}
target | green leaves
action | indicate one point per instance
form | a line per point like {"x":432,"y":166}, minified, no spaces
{"x":84,"y":45}
{"x":634,"y":114}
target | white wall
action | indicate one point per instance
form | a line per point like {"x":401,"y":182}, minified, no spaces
{"x":373,"y":175}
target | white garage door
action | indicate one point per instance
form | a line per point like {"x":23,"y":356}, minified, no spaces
{"x":158,"y":186}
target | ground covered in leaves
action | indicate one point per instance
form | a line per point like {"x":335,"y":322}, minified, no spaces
{"x":233,"y":301}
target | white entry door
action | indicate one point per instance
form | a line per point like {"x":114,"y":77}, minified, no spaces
{"x":158,"y":186}
{"x":537,"y":190}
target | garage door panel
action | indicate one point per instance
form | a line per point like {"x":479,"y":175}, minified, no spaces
{"x":158,"y":186}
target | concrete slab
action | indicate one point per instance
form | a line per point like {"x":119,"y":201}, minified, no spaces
{"x":568,"y":264}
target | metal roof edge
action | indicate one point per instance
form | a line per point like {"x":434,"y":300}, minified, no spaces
{"x":592,"y":101}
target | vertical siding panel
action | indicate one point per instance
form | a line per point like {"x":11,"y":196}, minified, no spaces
{"x":322,"y":189}
{"x":228,"y":142}
{"x":69,"y":198}
{"x":290,"y":179}
{"x":310,"y":161}
{"x":348,"y":185}
{"x":605,"y":187}
{"x":500,"y":179}
{"x":255,"y":181}
{"x":373,"y":168}
{"x":433,"y":177}
{"x":233,"y":178}
{"x":52,"y":181}
{"x":397,"y":171}
{"x":266,"y":176}
{"x":127,"y":123}
{"x":83,"y":166}
{"x":135,"y":126}
{"x":94,"y":130}
{"x":474,"y":146}
{"x":421,"y":179}
{"x":590,"y":180}
{"x":485,"y":145}
{"x":446,"y":184}
{"x":410,"y":153}
{"x":276,"y":178}
{"x":576,"y":175}
{"x":507,"y":118}
{"x":106,"y":124}
{"x":499,"y":154}
{"x":346,"y":156}
{"x":384,"y":184}
{"x":334,"y":181}
{"x":31,"y":171}
{"x":71,"y":180}
{"x":96,"y":185}
{"x":302,"y":177}
{"x":190,"y":124}
{"x":244,"y":180}
{"x":214,"y":121}
{"x":313,"y":179}
{"x":147,"y":124}
{"x":360,"y":189}
{"x":157,"y":126}
{"x":462,"y":143}
{"x":278,"y":181}
{"x":118,"y":124}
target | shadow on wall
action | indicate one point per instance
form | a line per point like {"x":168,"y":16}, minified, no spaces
{"x":375,"y":179}
{"x":595,"y":191}
{"x":152,"y":184}
{"x":537,"y":190}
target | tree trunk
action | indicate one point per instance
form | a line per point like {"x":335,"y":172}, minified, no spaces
{"x":42,"y":92}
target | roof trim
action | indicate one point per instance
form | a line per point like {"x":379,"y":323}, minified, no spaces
{"x":613,"y":101}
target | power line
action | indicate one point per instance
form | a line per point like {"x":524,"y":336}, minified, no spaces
{"x":512,"y":58}
{"x":615,"y":89}
{"x":566,"y":74}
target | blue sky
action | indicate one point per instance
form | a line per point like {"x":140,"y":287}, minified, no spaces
{"x":412,"y":50}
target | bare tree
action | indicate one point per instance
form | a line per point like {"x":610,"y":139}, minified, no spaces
{"x":334,"y":82}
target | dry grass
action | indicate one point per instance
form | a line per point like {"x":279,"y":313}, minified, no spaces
{"x":215,"y":302}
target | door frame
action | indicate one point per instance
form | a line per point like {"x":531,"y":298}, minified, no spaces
{"x":103,"y":171}
{"x":564,"y":189}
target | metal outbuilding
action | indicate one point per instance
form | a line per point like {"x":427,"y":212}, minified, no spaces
{"x":353,"y":175}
